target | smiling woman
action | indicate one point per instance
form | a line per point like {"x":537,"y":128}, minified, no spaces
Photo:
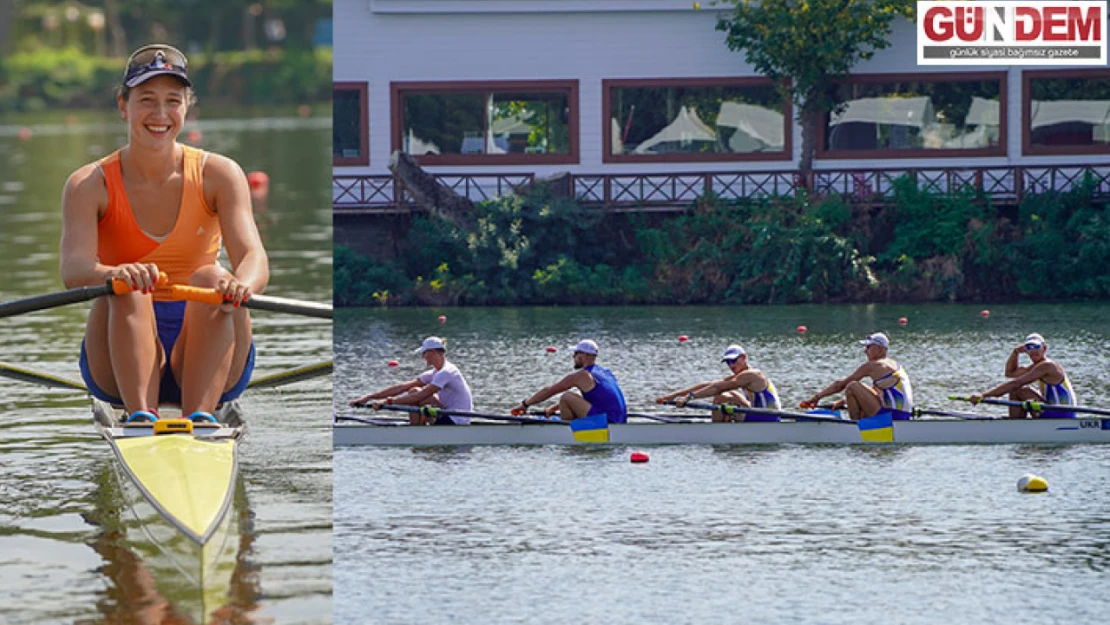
{"x":158,"y":207}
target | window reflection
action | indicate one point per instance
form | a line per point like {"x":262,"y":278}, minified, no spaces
{"x":490,"y":122}
{"x":696,"y":120}
{"x":1069,"y":112}
{"x":349,"y":134}
{"x":956,"y":115}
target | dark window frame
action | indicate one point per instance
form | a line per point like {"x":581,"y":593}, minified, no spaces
{"x":363,"y":159}
{"x":607,"y":156}
{"x":399,"y":89}
{"x":1003,"y":128}
{"x":1027,"y":147}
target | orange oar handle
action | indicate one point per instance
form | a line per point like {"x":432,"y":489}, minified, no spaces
{"x":194,"y":294}
{"x":119,"y":287}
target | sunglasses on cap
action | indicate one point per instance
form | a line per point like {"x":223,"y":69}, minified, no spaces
{"x":155,"y":60}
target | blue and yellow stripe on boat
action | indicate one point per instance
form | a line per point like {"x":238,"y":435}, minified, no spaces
{"x":591,"y":429}
{"x":877,"y":429}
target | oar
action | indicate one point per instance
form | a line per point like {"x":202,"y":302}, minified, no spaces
{"x":1034,"y":406}
{"x":36,"y":377}
{"x":63,"y":298}
{"x":667,"y":418}
{"x":385,"y":422}
{"x":917,"y":412}
{"x":435,"y":412}
{"x":292,"y":375}
{"x":257,"y":302}
{"x":277,"y":379}
{"x":733,"y":409}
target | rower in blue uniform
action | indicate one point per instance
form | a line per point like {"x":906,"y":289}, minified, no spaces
{"x":597,"y":390}
{"x":1053,"y":385}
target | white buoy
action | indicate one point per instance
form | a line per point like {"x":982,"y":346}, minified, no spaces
{"x":1030,"y":483}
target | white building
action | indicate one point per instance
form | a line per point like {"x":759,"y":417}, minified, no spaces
{"x":642,"y":102}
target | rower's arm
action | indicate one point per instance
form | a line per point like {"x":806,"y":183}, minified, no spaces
{"x":683,"y":392}
{"x":836,"y":387}
{"x":1013,"y":370}
{"x":392,"y":391}
{"x":82,"y":199}
{"x":744,"y":380}
{"x":227,"y":192}
{"x":417,"y":397}
{"x":1032,"y":374}
{"x":574,"y":380}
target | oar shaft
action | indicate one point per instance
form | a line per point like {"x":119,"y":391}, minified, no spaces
{"x":256,"y":302}
{"x":765,"y":411}
{"x":475,"y":415}
{"x":1035,"y":406}
{"x":54,"y":300}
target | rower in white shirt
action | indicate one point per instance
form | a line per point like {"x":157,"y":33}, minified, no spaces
{"x":442,"y":386}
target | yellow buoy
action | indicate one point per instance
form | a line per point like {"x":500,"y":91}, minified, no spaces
{"x":1030,"y":483}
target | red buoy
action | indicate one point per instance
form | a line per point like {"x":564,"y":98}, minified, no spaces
{"x":551,"y":349}
{"x":683,"y":338}
{"x":393,"y":363}
{"x":25,"y":134}
{"x":984,"y":313}
{"x":194,"y":136}
{"x":638,"y":456}
{"x":443,"y":318}
{"x":903,"y":321}
{"x":802,"y":329}
{"x":259,"y":184}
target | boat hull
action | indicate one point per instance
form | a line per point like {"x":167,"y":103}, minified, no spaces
{"x":923,"y":431}
{"x":194,"y":577}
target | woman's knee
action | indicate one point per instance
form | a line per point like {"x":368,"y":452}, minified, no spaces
{"x":207,"y":276}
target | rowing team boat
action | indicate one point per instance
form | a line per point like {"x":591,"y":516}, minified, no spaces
{"x":937,"y":431}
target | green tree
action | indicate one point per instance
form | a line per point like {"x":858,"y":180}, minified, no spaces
{"x":806,"y":45}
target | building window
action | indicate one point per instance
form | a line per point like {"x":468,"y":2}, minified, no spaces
{"x":503,"y":123}
{"x":350,"y":132}
{"x":1066,"y":112}
{"x":686,"y":120}
{"x":917,"y":115}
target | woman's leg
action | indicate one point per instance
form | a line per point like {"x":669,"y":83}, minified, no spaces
{"x":121,"y":343}
{"x":212,"y":349}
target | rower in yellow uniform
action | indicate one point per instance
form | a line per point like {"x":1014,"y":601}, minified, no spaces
{"x":154,"y":206}
{"x":890,"y":390}
{"x":1053,"y":385}
{"x":745,"y":386}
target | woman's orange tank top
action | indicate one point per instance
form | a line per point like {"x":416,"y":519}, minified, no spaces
{"x":193,"y":242}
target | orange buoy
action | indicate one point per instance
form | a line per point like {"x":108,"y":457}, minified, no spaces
{"x":683,"y":338}
{"x":25,"y":134}
{"x":551,"y":349}
{"x":304,"y":110}
{"x":638,"y":456}
{"x":903,"y":321}
{"x":393,"y":363}
{"x":802,"y":329}
{"x":984,"y":313}
{"x":194,"y":136}
{"x":259,"y":183}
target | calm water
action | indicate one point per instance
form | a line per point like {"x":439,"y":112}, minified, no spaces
{"x":700,"y":534}
{"x":60,"y":559}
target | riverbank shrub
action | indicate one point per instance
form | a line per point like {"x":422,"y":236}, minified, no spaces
{"x":921,"y":246}
{"x":68,"y":78}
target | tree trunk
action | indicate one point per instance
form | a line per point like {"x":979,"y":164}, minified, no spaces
{"x":7,"y":15}
{"x":811,"y":116}
{"x":118,"y":36}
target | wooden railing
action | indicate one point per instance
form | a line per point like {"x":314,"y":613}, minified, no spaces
{"x":671,"y":192}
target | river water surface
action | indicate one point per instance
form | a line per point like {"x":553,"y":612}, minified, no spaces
{"x":60,"y":557}
{"x":726,"y":534}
